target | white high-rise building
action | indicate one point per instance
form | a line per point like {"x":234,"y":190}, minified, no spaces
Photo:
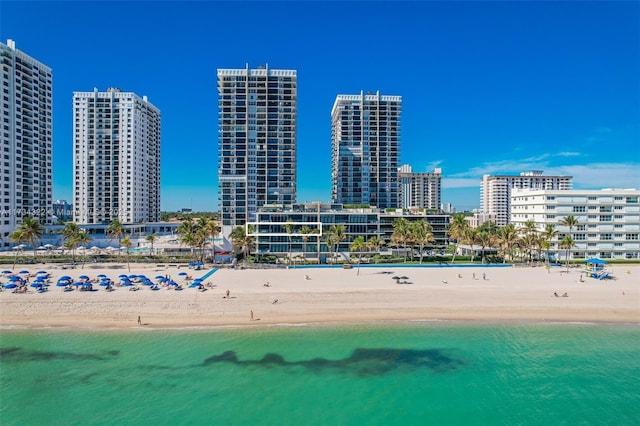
{"x":257,"y":141}
{"x":421,"y":190}
{"x":495,"y":191}
{"x":26,"y":135}
{"x":608,"y":220}
{"x":365,"y":141}
{"x":116,"y":158}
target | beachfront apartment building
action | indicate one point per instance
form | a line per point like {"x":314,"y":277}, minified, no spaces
{"x":608,"y":220}
{"x":365,"y":150}
{"x":420,"y":190}
{"x":257,"y":137}
{"x":26,"y":112}
{"x":495,"y":190}
{"x":116,"y":158}
{"x":272,"y":237}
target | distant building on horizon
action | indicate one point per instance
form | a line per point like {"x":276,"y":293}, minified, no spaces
{"x":26,"y":111}
{"x":257,"y":141}
{"x":495,"y":191}
{"x":420,"y":189}
{"x":365,"y":144}
{"x":116,"y":158}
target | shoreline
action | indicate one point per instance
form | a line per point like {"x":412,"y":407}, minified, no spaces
{"x":333,"y":297}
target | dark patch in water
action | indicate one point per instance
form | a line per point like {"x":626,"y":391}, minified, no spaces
{"x":19,"y":354}
{"x":363,"y":362}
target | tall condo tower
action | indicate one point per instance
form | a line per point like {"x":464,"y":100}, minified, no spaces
{"x":257,"y":111}
{"x":26,"y":111}
{"x":495,"y":191}
{"x":421,"y":190}
{"x":365,"y":140}
{"x":116,"y":158}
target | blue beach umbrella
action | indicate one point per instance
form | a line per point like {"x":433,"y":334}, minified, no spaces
{"x":65,"y":277}
{"x":35,"y":285}
{"x":24,"y":271}
{"x":10,"y":285}
{"x":182,"y":273}
{"x":62,"y":283}
{"x":101,"y":275}
{"x":42,"y":272}
{"x":15,"y":278}
{"x":7,"y":272}
{"x":159,"y":277}
{"x":83,"y":277}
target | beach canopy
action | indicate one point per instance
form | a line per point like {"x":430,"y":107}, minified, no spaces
{"x":83,"y":277}
{"x":15,"y":278}
{"x":6,"y":271}
{"x":182,"y":273}
{"x":595,"y":261}
{"x":24,"y":271}
{"x":66,"y":277}
{"x":10,"y":285}
{"x":62,"y":283}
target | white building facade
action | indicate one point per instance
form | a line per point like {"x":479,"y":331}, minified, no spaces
{"x":608,"y":220}
{"x":26,"y":139}
{"x":365,"y":141}
{"x":495,"y":191}
{"x":257,"y":141}
{"x":116,"y":158}
{"x":420,"y":190}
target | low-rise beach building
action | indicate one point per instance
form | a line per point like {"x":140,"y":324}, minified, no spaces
{"x":608,"y":220}
{"x":300,"y":229}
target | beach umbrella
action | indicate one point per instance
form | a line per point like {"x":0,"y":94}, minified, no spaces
{"x":172,"y":283}
{"x":15,"y":278}
{"x":10,"y":285}
{"x":7,"y":272}
{"x":63,"y":283}
{"x":101,"y":275}
{"x":24,"y":271}
{"x":126,"y":283}
{"x":133,"y":276}
{"x":83,"y":277}
{"x":65,"y":277}
{"x":34,"y":285}
{"x":42,"y":272}
{"x":122,"y":276}
{"x":182,"y":273}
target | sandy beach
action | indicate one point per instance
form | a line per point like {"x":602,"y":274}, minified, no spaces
{"x":323,"y":295}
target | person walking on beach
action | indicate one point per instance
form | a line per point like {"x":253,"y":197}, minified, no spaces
{"x":251,"y":316}
{"x":139,"y":320}
{"x":228,"y":293}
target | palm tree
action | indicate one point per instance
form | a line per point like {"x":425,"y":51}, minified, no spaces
{"x":422,"y":234}
{"x":458,"y":228}
{"x":187,"y":232}
{"x":116,"y":230}
{"x":242,"y":239}
{"x":507,"y":238}
{"x":17,"y":237}
{"x":336,"y":235}
{"x":305,"y":231}
{"x":486,"y":236}
{"x":70,"y":234}
{"x":126,"y":242}
{"x":567,"y":243}
{"x":569,"y":221}
{"x":357,"y":246}
{"x":290,"y":228}
{"x":401,"y":234}
{"x":529,"y":232}
{"x":31,"y":231}
{"x":374,"y":244}
{"x":82,"y":239}
{"x":213,"y":229}
{"x":151,"y":238}
{"x":548,"y":235}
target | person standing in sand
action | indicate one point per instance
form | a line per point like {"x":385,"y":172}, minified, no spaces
{"x":139,"y":320}
{"x":228,"y":293}
{"x":251,"y":316}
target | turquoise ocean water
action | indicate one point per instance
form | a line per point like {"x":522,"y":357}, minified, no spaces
{"x":393,"y":374}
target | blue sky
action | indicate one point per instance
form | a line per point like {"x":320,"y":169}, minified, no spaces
{"x":487,"y":87}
